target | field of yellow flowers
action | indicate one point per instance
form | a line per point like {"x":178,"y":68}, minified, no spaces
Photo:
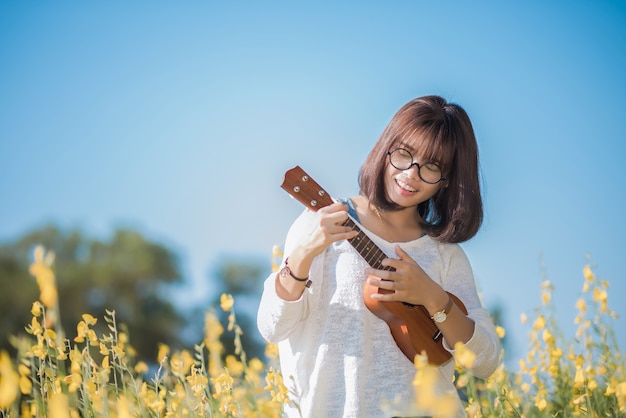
{"x":83,"y":374}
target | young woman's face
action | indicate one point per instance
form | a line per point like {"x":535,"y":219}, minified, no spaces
{"x":404,"y":186}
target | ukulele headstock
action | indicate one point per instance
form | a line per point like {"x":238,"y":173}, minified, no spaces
{"x":304,"y":189}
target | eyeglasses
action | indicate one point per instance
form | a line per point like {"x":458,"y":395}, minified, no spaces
{"x":402,"y":159}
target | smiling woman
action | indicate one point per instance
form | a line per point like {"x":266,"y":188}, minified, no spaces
{"x":414,"y":212}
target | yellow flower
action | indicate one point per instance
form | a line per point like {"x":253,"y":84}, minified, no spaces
{"x":26,"y":385}
{"x":39,"y":350}
{"x":198,"y":381}
{"x":579,"y":378}
{"x":255,"y":365}
{"x":428,"y":398}
{"x":463,"y":380}
{"x":464,"y":356}
{"x":74,"y":380}
{"x":123,"y":407}
{"x":76,"y":360}
{"x":58,"y":406}
{"x":222,"y":383}
{"x":35,"y":327}
{"x":556,"y":353}
{"x":276,"y":387}
{"x":181,"y":362}
{"x":35,"y":310}
{"x":271,"y":351}
{"x":541,"y":403}
{"x":226,"y":302}
{"x":589,"y":276}
{"x":500,"y":331}
{"x":93,"y":338}
{"x":81,"y":331}
{"x":61,"y":354}
{"x":164,"y":351}
{"x":89,"y":320}
{"x":540,"y":323}
{"x":277,"y":254}
{"x":545,"y":297}
{"x":141,"y":367}
{"x":45,"y":277}
{"x":547,"y":336}
{"x":620,"y":394}
{"x":9,"y":381}
{"x":600,"y":295}
{"x":213,"y":329}
{"x":105,"y":363}
{"x":234,"y":366}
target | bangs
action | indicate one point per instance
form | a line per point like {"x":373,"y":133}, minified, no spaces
{"x":429,"y":143}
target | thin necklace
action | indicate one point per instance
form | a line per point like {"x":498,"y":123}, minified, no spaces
{"x":380,"y":218}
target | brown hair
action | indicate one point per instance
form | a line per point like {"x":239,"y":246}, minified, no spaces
{"x":444,"y":134}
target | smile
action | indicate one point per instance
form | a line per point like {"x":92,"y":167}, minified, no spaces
{"x":405,"y":186}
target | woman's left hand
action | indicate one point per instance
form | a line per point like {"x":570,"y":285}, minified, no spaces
{"x":408,"y":283}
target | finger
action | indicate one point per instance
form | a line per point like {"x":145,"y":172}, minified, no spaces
{"x":333,"y":218}
{"x":375,"y":274}
{"x":381,"y":283}
{"x":384,"y":294}
{"x":334,"y":207}
{"x":403,"y":255}
{"x":346,"y":234}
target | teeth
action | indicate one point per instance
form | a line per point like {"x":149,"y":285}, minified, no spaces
{"x":405,"y":186}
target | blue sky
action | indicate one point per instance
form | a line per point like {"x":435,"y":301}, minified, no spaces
{"x":180,"y":118}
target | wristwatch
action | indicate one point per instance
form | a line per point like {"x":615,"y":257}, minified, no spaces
{"x":442,"y":315}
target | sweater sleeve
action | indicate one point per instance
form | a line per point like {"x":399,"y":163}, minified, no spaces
{"x":484,"y":342}
{"x":276,"y":317}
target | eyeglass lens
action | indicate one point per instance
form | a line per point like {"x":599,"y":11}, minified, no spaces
{"x":402,"y":159}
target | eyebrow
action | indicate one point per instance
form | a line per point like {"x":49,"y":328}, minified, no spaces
{"x":407,"y":147}
{"x":414,"y":153}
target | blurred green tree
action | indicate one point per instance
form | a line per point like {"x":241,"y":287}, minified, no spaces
{"x":242,"y":277}
{"x":127,"y":274}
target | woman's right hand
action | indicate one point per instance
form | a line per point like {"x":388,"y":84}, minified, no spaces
{"x":325,"y":229}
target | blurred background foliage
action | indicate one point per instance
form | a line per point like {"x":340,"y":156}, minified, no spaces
{"x":127,"y":273}
{"x":138,"y":279}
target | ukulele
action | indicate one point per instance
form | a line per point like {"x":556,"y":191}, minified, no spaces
{"x":411,"y":326}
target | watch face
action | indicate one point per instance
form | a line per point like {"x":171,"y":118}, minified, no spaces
{"x":440,"y":316}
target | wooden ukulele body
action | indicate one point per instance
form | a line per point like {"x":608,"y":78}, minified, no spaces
{"x":411,"y":326}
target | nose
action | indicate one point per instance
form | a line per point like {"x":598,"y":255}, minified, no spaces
{"x":414,"y":173}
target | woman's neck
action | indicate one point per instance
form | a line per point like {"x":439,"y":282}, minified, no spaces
{"x":392,"y":225}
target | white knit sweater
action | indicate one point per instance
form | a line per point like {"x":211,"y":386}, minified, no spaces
{"x":337,"y":358}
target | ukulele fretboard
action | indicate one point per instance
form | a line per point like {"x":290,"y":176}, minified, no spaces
{"x":366,"y":248}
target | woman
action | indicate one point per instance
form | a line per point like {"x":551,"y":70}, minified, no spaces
{"x":419,"y":197}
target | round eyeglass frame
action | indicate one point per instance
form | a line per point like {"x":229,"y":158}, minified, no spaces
{"x":419,"y":167}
